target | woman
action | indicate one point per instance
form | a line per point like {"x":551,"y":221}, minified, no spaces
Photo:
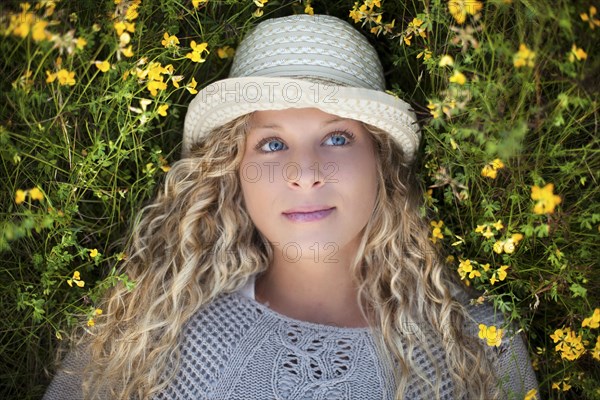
{"x":285,"y":256}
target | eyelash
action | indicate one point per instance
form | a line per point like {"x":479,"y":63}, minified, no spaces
{"x":349,"y":135}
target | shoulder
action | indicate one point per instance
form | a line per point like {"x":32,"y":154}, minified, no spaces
{"x":229,"y":316}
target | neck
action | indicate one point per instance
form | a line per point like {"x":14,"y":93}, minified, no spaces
{"x":316,"y":288}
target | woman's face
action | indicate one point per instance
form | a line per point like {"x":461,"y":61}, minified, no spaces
{"x":306,"y":160}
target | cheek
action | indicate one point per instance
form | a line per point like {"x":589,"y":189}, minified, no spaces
{"x":253,"y":182}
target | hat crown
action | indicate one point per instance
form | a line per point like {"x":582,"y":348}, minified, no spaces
{"x":319,"y":48}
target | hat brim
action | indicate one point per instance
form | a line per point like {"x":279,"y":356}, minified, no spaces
{"x":222,"y":101}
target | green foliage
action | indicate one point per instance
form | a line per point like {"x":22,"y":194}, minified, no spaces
{"x":78,"y":161}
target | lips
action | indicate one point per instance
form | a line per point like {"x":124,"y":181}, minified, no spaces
{"x":307,"y":209}
{"x":316,"y":215}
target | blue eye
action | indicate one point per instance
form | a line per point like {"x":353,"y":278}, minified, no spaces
{"x":267,"y":142}
{"x":348,"y":137}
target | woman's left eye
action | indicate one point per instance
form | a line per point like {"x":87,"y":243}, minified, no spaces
{"x":348,"y":136}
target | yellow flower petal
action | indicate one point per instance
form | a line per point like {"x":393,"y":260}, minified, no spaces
{"x":458,"y":78}
{"x":20,"y":196}
{"x":103,"y":66}
{"x":36,"y":194}
{"x":162,"y":110}
{"x":446,"y":60}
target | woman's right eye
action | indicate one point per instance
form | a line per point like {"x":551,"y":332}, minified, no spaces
{"x":266,"y":145}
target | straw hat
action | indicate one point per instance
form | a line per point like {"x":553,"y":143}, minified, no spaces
{"x":303,"y":61}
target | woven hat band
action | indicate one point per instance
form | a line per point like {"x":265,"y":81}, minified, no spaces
{"x":322,"y":48}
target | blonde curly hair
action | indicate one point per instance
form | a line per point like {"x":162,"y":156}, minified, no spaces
{"x":196,"y":241}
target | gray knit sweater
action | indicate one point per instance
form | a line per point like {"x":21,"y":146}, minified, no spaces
{"x":236,"y":348}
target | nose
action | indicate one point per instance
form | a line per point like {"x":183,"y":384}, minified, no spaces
{"x":306,"y":173}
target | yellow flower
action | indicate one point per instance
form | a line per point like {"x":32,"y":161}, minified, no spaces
{"x":388,"y":28}
{"x":176,"y":79}
{"x":569,"y":344}
{"x":76,"y":279}
{"x":498,"y":225}
{"x":196,"y":3}
{"x":127,"y":51}
{"x":308,"y":9}
{"x":131,"y":12}
{"x":474,"y":274}
{"x":91,"y":322}
{"x":488,"y":172}
{"x":596,"y":351}
{"x":169,"y":40}
{"x":38,"y":31}
{"x":437,"y":231}
{"x":124,"y":39}
{"x":154,"y":71}
{"x":502,"y":272}
{"x":593,"y":321}
{"x":94,"y":253}
{"x":80,"y":43}
{"x":197,"y":50}
{"x":446,"y":60}
{"x":191,"y":87}
{"x":120,"y":27}
{"x":499,"y":275}
{"x":459,"y":9}
{"x":103,"y":66}
{"x":509,"y":246}
{"x":155,"y":86}
{"x":225,"y":52}
{"x":565,"y":385}
{"x":36,"y":194}
{"x":524,"y":57}
{"x":64,"y":77}
{"x":577,"y":53}
{"x":557,"y":335}
{"x":20,"y":24}
{"x":458,"y":78}
{"x":162,"y":110}
{"x":464,"y":268}
{"x":426,"y":54}
{"x":164,"y":164}
{"x":20,"y":196}
{"x":531,"y":395}
{"x":486,"y":267}
{"x":498,"y":247}
{"x":98,"y":311}
{"x":434,"y":110}
{"x":546,"y":199}
{"x":491,"y":334}
{"x":355,"y":14}
{"x":589,"y":18}
{"x":497,"y":163}
{"x":517,"y":237}
{"x":480,"y":228}
{"x":488,"y":232}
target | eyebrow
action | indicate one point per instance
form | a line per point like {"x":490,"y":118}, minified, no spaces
{"x":276,"y":126}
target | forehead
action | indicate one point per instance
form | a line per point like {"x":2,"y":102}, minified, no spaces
{"x":280,"y":119}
